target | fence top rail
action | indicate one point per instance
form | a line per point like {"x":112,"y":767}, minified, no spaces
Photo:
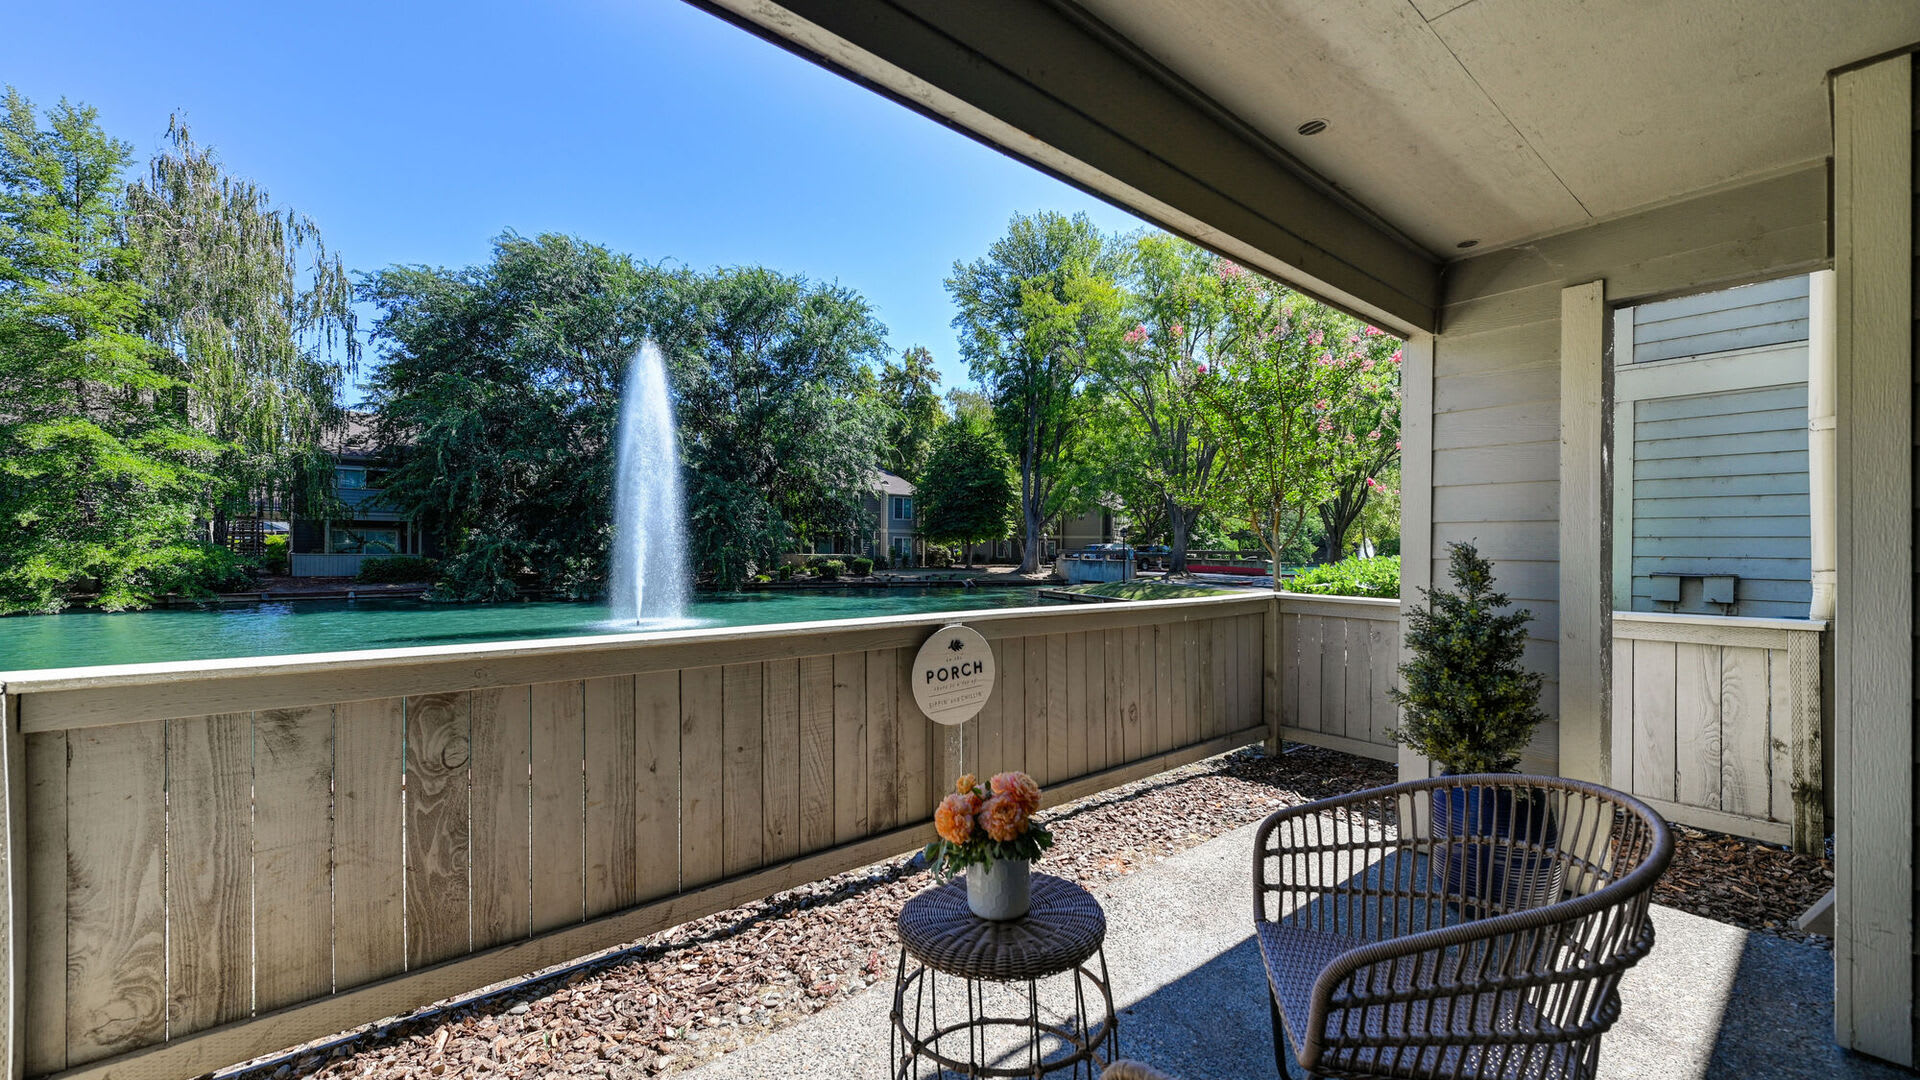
{"x":62,"y":698}
{"x":1714,"y":622}
{"x":1362,"y":607}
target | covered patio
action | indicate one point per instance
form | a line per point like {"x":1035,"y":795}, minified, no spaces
{"x":207,"y":862}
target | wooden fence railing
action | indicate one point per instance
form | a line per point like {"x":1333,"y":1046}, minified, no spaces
{"x":204,"y":862}
{"x":1716,"y":722}
{"x":1338,"y":657}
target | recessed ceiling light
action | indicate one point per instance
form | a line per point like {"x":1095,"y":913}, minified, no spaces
{"x":1466,"y":244}
{"x":1313,"y":127}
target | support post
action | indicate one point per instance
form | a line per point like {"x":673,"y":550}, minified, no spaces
{"x":1873,"y":624}
{"x":13,"y":891}
{"x":1586,"y":593}
{"x":1416,"y":504}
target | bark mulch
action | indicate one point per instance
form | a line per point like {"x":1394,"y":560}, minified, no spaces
{"x":699,"y":990}
{"x":1744,"y":882}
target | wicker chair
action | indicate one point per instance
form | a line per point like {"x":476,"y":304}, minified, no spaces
{"x":1470,"y":926}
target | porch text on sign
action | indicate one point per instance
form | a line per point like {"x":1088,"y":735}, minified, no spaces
{"x":953,"y":674}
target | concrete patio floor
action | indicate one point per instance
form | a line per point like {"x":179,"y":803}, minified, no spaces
{"x":1711,"y":1001}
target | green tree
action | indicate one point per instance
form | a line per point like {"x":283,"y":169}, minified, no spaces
{"x":909,"y":391}
{"x":256,"y":315}
{"x":1273,"y":401}
{"x":1367,"y":422}
{"x":1177,"y":303}
{"x":778,"y":424}
{"x":1035,"y":313}
{"x":499,"y":387}
{"x":1467,"y":699}
{"x":98,"y":475}
{"x":497,"y":394}
{"x":966,"y":494}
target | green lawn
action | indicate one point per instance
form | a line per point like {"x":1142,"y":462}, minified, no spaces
{"x":1150,"y":590}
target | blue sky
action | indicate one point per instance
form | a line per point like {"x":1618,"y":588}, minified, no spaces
{"x":415,"y":132}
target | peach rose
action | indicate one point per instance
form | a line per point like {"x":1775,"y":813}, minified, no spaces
{"x":1004,"y":819}
{"x":953,"y":820}
{"x":965,"y":784}
{"x":1019,"y":787}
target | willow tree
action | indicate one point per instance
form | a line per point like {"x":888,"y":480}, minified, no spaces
{"x":257,"y":316}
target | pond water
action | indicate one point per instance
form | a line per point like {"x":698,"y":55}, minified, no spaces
{"x":276,"y":628}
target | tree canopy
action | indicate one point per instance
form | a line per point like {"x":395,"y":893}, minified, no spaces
{"x":966,"y":494}
{"x":498,"y":392}
{"x":1035,"y":314}
{"x":151,"y":347}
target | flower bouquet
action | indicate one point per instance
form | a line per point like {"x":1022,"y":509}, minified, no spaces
{"x":988,"y":831}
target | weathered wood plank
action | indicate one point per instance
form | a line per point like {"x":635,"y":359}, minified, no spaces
{"x":743,"y":813}
{"x":611,"y":795}
{"x":850,"y":765}
{"x":559,"y":794}
{"x":115,"y":934}
{"x":1653,"y":719}
{"x":500,"y":805}
{"x":780,"y":761}
{"x":1225,"y":659}
{"x":1095,"y":675}
{"x":1037,"y":715}
{"x":1163,"y":669}
{"x":1113,"y":649}
{"x":1129,"y":712}
{"x":656,"y":807}
{"x":439,"y":750}
{"x":1623,"y":720}
{"x":1012,"y":654}
{"x":701,"y":755}
{"x":1309,"y":635}
{"x":369,"y":858}
{"x":816,"y":753}
{"x":1744,"y":708}
{"x":45,"y":988}
{"x":209,"y":873}
{"x":1383,"y":655}
{"x":292,"y":855}
{"x":1358,"y":675}
{"x":1074,"y":673}
{"x":917,"y":783}
{"x":988,"y":726}
{"x":1697,"y":717}
{"x":883,"y":743}
{"x":1059,"y":720}
{"x":1253,"y":652}
{"x":1334,"y":711}
{"x":1804,"y":736}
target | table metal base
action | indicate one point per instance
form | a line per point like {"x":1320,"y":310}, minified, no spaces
{"x":1069,"y":1041}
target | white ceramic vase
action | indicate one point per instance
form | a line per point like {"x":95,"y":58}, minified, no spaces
{"x":1000,"y":889}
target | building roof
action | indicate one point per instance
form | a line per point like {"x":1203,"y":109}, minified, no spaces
{"x":354,"y":437}
{"x":893,"y":485}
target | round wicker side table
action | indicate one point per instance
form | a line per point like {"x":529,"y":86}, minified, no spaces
{"x":1062,"y":934}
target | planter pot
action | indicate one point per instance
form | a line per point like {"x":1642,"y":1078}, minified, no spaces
{"x":1000,"y":889}
{"x":1488,"y":845}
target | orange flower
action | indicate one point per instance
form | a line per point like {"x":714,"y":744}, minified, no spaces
{"x":1019,"y":787}
{"x":965,"y":784}
{"x":1004,"y":819}
{"x":953,"y":820}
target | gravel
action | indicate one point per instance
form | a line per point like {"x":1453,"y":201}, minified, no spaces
{"x":686,"y":995}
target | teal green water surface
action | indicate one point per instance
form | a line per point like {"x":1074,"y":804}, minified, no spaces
{"x":77,"y":639}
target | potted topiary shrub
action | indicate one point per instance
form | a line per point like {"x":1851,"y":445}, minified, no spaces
{"x":1468,"y":703}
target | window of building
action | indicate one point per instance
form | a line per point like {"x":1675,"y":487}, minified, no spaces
{"x":903,"y":508}
{"x":347,"y":540}
{"x":349,"y":476}
{"x":902,"y":545}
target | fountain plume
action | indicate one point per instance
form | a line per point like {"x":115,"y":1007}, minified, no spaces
{"x":649,"y":521}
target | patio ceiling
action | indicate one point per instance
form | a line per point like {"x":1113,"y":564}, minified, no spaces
{"x":1493,"y":121}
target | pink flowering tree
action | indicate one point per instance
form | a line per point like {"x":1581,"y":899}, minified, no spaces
{"x":1176,"y":311}
{"x":1285,"y":400}
{"x":1367,"y":423}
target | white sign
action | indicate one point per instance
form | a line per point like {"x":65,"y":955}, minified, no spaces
{"x":953,"y":674}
